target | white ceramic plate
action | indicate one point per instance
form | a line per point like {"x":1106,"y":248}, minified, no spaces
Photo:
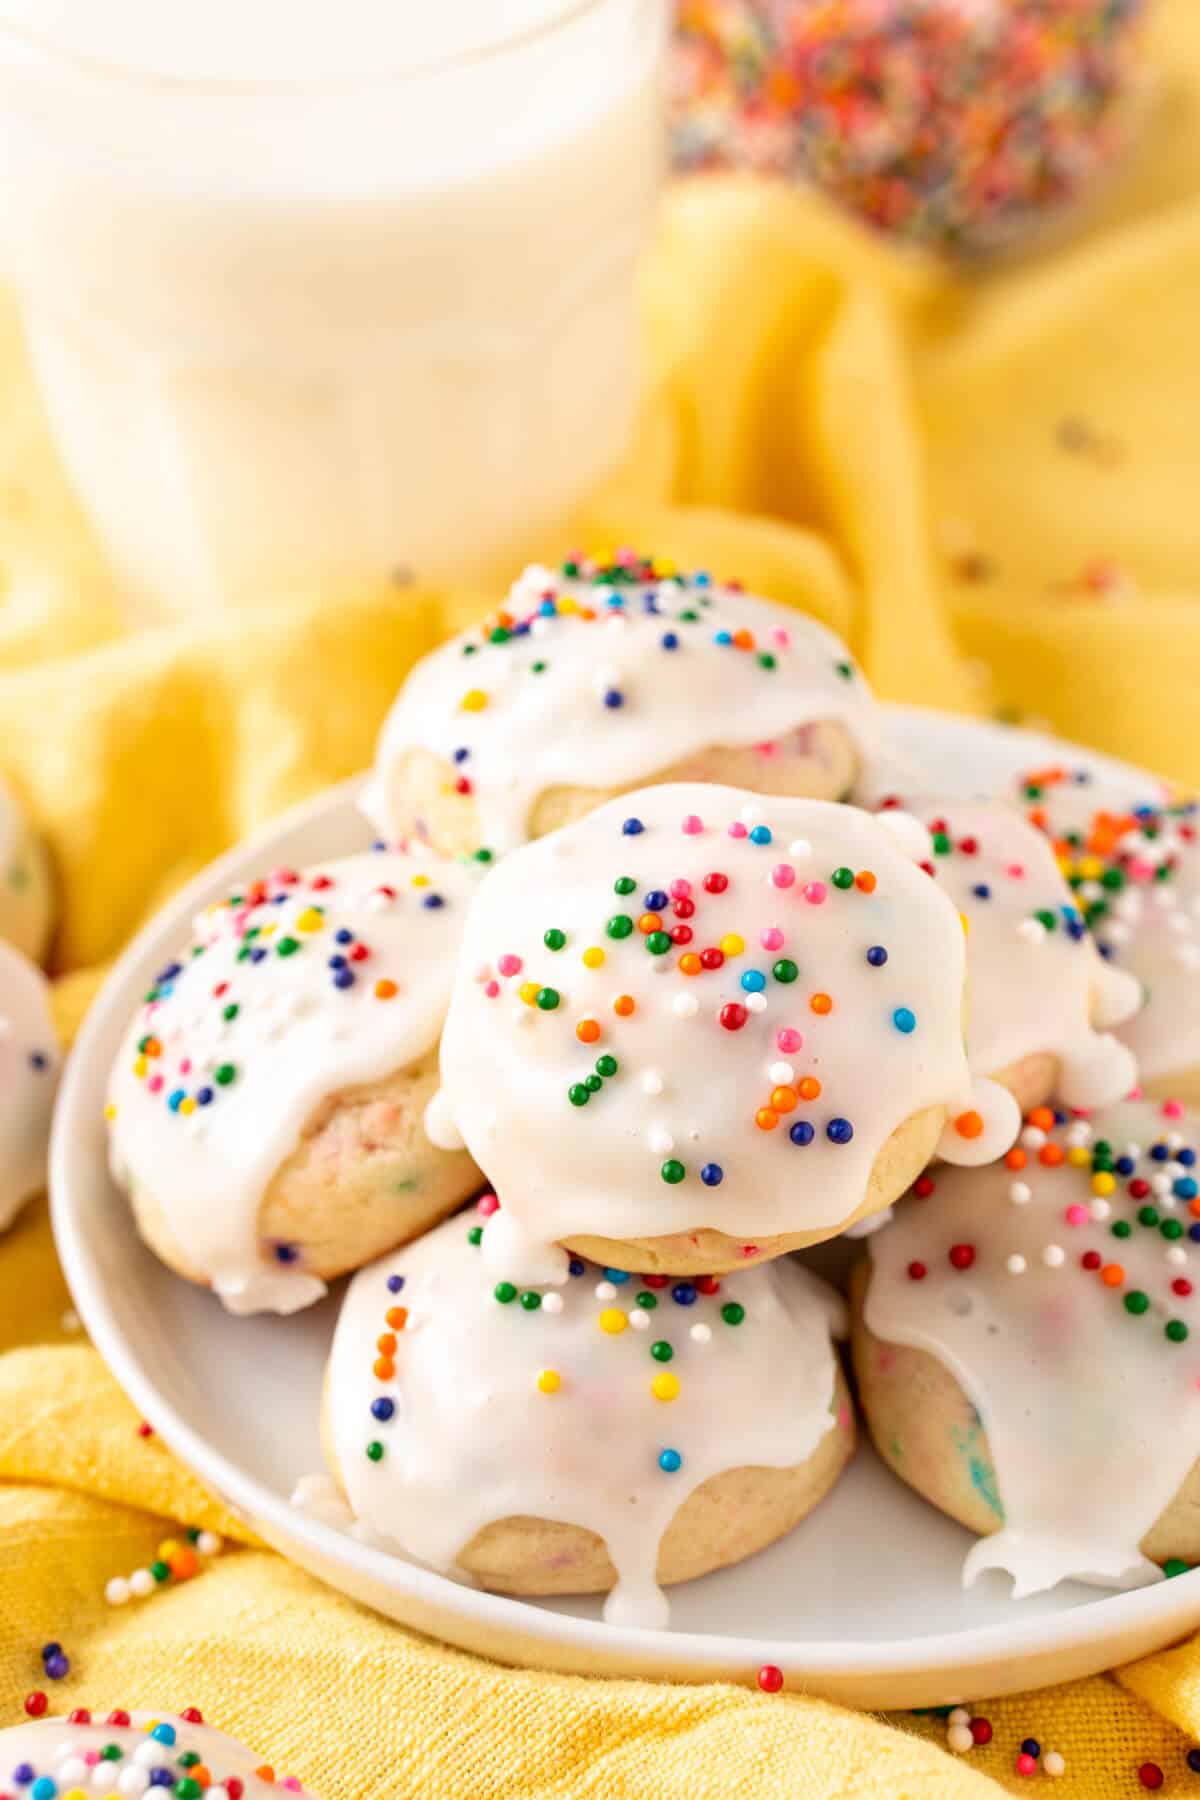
{"x":862,"y":1603}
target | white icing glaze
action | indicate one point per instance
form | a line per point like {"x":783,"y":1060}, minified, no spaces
{"x":301,"y":1032}
{"x":1092,"y":1413}
{"x":687,"y":1089}
{"x":59,"y":1750}
{"x":29,"y":1066}
{"x":609,"y":705}
{"x":474,"y":1438}
{"x":1150,"y":927}
{"x":1036,"y":981}
{"x":24,"y":896}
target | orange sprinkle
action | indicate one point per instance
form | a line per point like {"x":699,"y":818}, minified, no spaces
{"x":1016,"y":1158}
{"x":1051,"y":1155}
{"x":650,"y":922}
{"x":266,"y":1773}
{"x":1112,"y":1274}
{"x":385,"y":1368}
{"x":690,"y":963}
{"x":385,"y":990}
{"x":587,"y":612}
{"x":969,"y":1124}
{"x":744,"y":639}
{"x":821,"y":1003}
{"x":397,"y":1318}
{"x":184,"y":1563}
{"x":865,"y":882}
{"x":587,"y":1031}
{"x":783,"y":1099}
{"x":810,"y":1088}
{"x":1042,"y":1117}
{"x":1194,"y":1208}
{"x":624,"y":1004}
{"x":152,"y":1047}
{"x":201,"y":1774}
{"x":385,"y":1343}
{"x":765,"y":1119}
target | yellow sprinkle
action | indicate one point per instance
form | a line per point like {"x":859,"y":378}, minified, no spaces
{"x":664,"y":565}
{"x":603,"y":557}
{"x":110,"y":1111}
{"x":474,"y":700}
{"x":1078,"y":1157}
{"x":732,"y":944}
{"x":593,"y":958}
{"x":1065,"y":865}
{"x":140,"y":1066}
{"x":612,"y":1320}
{"x":310,"y":920}
{"x":187,"y":1104}
{"x":74,"y":1794}
{"x":420,"y":881}
{"x":966,"y":924}
{"x":167,"y":1548}
{"x":267,"y":931}
{"x":665,"y":1386}
{"x":529,"y":991}
{"x":566,"y":603}
{"x":1103,"y":1183}
{"x":1091,"y":868}
{"x":549,"y":1381}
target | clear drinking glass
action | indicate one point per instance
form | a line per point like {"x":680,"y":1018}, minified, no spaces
{"x":295,"y":331}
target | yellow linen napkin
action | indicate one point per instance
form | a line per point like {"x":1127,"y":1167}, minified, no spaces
{"x":986,"y":484}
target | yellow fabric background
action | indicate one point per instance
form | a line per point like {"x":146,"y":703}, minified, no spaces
{"x":864,"y":436}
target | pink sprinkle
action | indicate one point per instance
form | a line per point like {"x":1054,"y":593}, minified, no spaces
{"x":782,"y":636}
{"x":91,"y":1758}
{"x":1141,"y":870}
{"x":789,"y":1039}
{"x":1077,"y":1215}
{"x":509,"y":964}
{"x":815,"y":892}
{"x":1172,"y":1109}
{"x":185,"y":1066}
{"x":155,"y":1084}
{"x":692,"y":825}
{"x":1015,"y":871}
{"x":783,"y":875}
{"x":1135,"y":1093}
{"x":680,"y":889}
{"x":487,"y":1204}
{"x":767,"y":749}
{"x":291,"y":1784}
{"x":737,"y":829}
{"x":771,"y":938}
{"x":843,"y":1417}
{"x":492,"y":989}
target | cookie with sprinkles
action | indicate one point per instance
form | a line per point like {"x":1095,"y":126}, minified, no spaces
{"x":1026,"y":1348}
{"x":1132,"y":860}
{"x":701,"y":1027}
{"x":265,"y":1108}
{"x":610,"y":1434}
{"x":1042,"y":998}
{"x":29,"y":1068}
{"x":115,"y":1751}
{"x":597,"y":678}
{"x":26,"y":889}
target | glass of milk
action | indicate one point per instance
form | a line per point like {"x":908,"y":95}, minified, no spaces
{"x":320,"y":289}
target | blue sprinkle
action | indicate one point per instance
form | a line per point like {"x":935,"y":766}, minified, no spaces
{"x":877,"y":956}
{"x":383,"y":1409}
{"x":343,"y":978}
{"x":1185,"y":1188}
{"x":170,"y":972}
{"x":175,"y":1100}
{"x":802,"y":1133}
{"x":432,"y":902}
{"x":760,"y":835}
{"x":1106,"y":950}
{"x":633,"y":828}
{"x":683,"y":1294}
{"x":701,"y":578}
{"x":1031,"y":1747}
{"x":547,"y":609}
{"x":38,"y":1060}
{"x":280,"y":899}
{"x":613,"y":600}
{"x":23,"y":1774}
{"x":576,"y":1267}
{"x":162,"y":1777}
{"x":669,"y":641}
{"x":521,"y":629}
{"x":618,"y":1277}
{"x":723,"y":637}
{"x":1186,"y":1157}
{"x":1125,"y":1165}
{"x":712,"y":1174}
{"x":754,"y":981}
{"x":44,"y":1788}
{"x":1060,"y":1117}
{"x":982,"y":891}
{"x":163,"y":1734}
{"x":1160,"y":1153}
{"x":839,"y":1131}
{"x":656,"y":900}
{"x":257,"y":954}
{"x":51,"y":1649}
{"x":650,"y":603}
{"x":669,"y":1461}
{"x":904,"y":1019}
{"x":1194,"y":1233}
{"x":379,"y":844}
{"x":614,"y":697}
{"x":337,"y":962}
{"x":287,"y":1253}
{"x":343,"y":936}
{"x":1082,"y":777}
{"x":395,"y":1284}
{"x":1076,"y":930}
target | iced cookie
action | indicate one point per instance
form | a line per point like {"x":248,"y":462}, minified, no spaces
{"x":698,"y":1028}
{"x":1133,"y":862}
{"x":1041,"y":996}
{"x":121,"y":1753}
{"x":1027,"y":1354}
{"x":26,"y":894}
{"x":609,"y":1433}
{"x":29,"y":1066}
{"x":591,"y":681}
{"x":266,"y":1105}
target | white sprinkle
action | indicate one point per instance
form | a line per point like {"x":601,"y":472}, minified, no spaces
{"x":1020,"y":1193}
{"x":960,"y":1716}
{"x":135,"y":1781}
{"x":1032,"y":931}
{"x":1177,"y":1256}
{"x":960,"y":1740}
{"x":1160,"y":1184}
{"x":652,"y":1081}
{"x":660,"y":1140}
{"x":800,"y":847}
{"x":1054,"y":1256}
{"x":551,"y":1303}
{"x":147,"y":1755}
{"x":685,"y":1006}
{"x":1175,"y":1140}
{"x":1016,"y":1265}
{"x":701,"y":1334}
{"x":1078,"y":1133}
{"x":70,"y":1320}
{"x":606,"y":1290}
{"x":1052,"y":1762}
{"x":141,"y":1583}
{"x":1032,"y":1137}
{"x":756,"y":1003}
{"x":73,"y":1769}
{"x":116,"y":1591}
{"x":1100,"y":1210}
{"x":639,"y":1320}
{"x":104,"y":1777}
{"x":781,"y":1072}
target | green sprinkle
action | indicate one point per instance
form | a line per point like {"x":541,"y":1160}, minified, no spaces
{"x":500,"y":635}
{"x":785,"y":970}
{"x":672,"y":1172}
{"x":619,"y":926}
{"x":845,"y":670}
{"x":766,"y":660}
{"x":189,"y":1759}
{"x":225,"y":1074}
{"x":624,"y":884}
{"x":1175,"y":1565}
{"x":483,"y":856}
{"x":842,"y":878}
{"x":537,"y":668}
{"x":1113,"y":879}
{"x":1147,"y":1215}
{"x":374,"y":1452}
{"x":1045,"y":917}
{"x":1137,"y":1302}
{"x":114,"y":1753}
{"x":160,"y":1571}
{"x":531,"y":1300}
{"x":577,"y":1094}
{"x":231,"y":1011}
{"x":504,"y":1292}
{"x":548,"y":998}
{"x":554,"y":939}
{"x":733,"y":1312}
{"x":1177,"y":1331}
{"x":658,"y":943}
{"x":941,"y":844}
{"x":606,"y":1065}
{"x":1171,"y":1229}
{"x":1122,"y":1229}
{"x":647,"y":1300}
{"x":189,"y":1788}
{"x":592,"y":1083}
{"x":475,"y":1235}
{"x":661,"y":1351}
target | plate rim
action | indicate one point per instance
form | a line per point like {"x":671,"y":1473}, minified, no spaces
{"x":1170,"y":1606}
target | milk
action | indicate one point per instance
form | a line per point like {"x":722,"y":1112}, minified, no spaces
{"x":318,"y":290}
